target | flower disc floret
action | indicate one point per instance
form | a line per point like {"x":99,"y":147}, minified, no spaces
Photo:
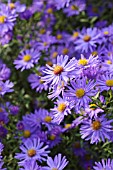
{"x":58,"y":70}
{"x":31,"y":152}
{"x":27,"y":58}
{"x":87,"y":38}
{"x":96,"y":125}
{"x":80,"y":93}
{"x":83,"y":62}
{"x":27,"y":133}
{"x":109,"y":83}
{"x":48,"y":119}
{"x":12,"y":5}
{"x":2,"y":19}
{"x":61,"y":107}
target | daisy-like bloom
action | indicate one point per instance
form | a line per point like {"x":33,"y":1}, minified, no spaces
{"x":80,"y":92}
{"x":5,"y":72}
{"x":88,"y":38}
{"x":61,"y":109}
{"x":60,"y":71}
{"x":61,"y":3}
{"x":58,"y":163}
{"x":6,"y":87}
{"x":7,"y":19}
{"x":32,"y":150}
{"x":37,"y":83}
{"x":75,"y":8}
{"x":27,"y":59}
{"x":96,"y":130}
{"x":104,"y":165}
{"x":107,"y":64}
{"x":30,"y":164}
{"x":16,"y":6}
{"x":105,"y":82}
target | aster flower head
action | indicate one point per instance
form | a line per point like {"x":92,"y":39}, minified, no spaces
{"x":5,"y":72}
{"x":61,"y":3}
{"x":88,"y":39}
{"x":7,"y":19}
{"x":27,"y":59}
{"x":105,"y":82}
{"x":6,"y":87}
{"x":75,"y":7}
{"x":30,"y":164}
{"x":104,"y":164}
{"x":80,"y":92}
{"x":61,"y":109}
{"x":58,"y":163}
{"x":32,"y":150}
{"x":16,"y":6}
{"x":59,"y":72}
{"x":96,"y":130}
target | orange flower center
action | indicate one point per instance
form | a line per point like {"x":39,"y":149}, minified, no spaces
{"x":31,"y":152}
{"x":61,"y":107}
{"x":58,"y":70}
{"x":96,"y":125}
{"x":87,"y":38}
{"x":65,"y":51}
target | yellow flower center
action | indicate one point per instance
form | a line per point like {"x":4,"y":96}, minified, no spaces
{"x":42,"y":31}
{"x":74,"y":7}
{"x":87,"y":38}
{"x":80,"y":93}
{"x":106,"y":33}
{"x":45,"y":44}
{"x":67,"y":126}
{"x":58,"y":70}
{"x":54,"y":55}
{"x":31,"y":152}
{"x":52,"y":137}
{"x":109,"y":83}
{"x":49,"y":63}
{"x":96,"y":125}
{"x":27,"y":58}
{"x":75,"y":34}
{"x":49,"y":10}
{"x":109,"y":62}
{"x":27,"y":133}
{"x":48,"y":119}
{"x":83,"y":62}
{"x":94,"y":53}
{"x":61,"y":107}
{"x":65,"y":51}
{"x":12,"y":5}
{"x":59,"y":36}
{"x":2,"y":19}
{"x":54,"y":169}
{"x":41,"y":81}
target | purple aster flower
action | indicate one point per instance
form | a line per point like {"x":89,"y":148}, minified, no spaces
{"x":58,"y":163}
{"x":16,"y":6}
{"x":105,"y":82}
{"x":80,"y":92}
{"x":27,"y":59}
{"x":26,"y":15}
{"x":32,"y":150}
{"x":37,"y":83}
{"x":20,"y":126}
{"x":61,"y":109}
{"x":88,"y":38}
{"x":30,"y":164}
{"x":59,"y":72}
{"x":104,"y":164}
{"x":6,"y":37}
{"x":7,"y":19}
{"x":6,"y":87}
{"x":3,"y":132}
{"x":61,"y":3}
{"x":4,"y":72}
{"x":3,"y":119}
{"x":14,"y":109}
{"x":75,"y":7}
{"x":96,"y":130}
